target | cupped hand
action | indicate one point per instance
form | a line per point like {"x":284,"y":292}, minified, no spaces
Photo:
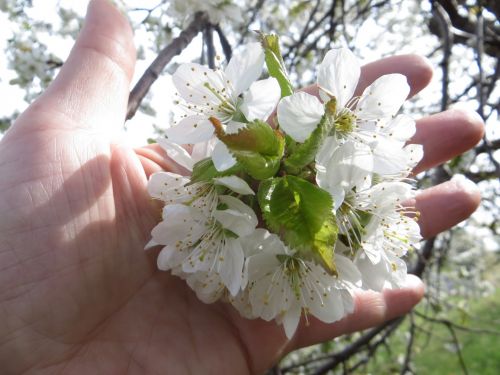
{"x":78,"y":295}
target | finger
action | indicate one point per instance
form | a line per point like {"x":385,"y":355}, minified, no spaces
{"x":445,"y":205}
{"x":155,"y":159}
{"x":371,"y":309}
{"x":91,"y":90}
{"x":446,"y":135}
{"x":417,"y":70}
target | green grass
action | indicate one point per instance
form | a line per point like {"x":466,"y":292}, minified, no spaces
{"x":480,"y":351}
{"x":434,"y":349}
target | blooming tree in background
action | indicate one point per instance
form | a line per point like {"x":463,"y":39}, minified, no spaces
{"x":186,"y":41}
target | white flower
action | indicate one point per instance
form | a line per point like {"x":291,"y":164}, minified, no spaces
{"x":281,"y":285}
{"x":200,"y":229}
{"x":181,"y":156}
{"x":375,"y":139}
{"x":232,"y":96}
{"x":342,"y":165}
{"x":172,"y":188}
{"x":388,"y":272}
{"x":374,"y":225}
{"x":197,"y":243}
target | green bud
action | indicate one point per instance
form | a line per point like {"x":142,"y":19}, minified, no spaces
{"x":258,"y":148}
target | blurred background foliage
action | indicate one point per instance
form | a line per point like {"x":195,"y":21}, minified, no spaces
{"x":456,"y":328}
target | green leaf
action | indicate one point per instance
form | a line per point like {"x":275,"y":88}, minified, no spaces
{"x":275,"y":64}
{"x":301,"y":213}
{"x":258,"y":148}
{"x":205,"y":170}
{"x":264,"y":194}
{"x":304,"y":153}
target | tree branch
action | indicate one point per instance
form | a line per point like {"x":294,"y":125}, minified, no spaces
{"x":356,"y":346}
{"x":226,"y":47}
{"x":164,"y":57}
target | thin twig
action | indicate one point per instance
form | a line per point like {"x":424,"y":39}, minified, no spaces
{"x":457,"y":346}
{"x":458,"y":326}
{"x":409,"y":347}
{"x":258,"y":6}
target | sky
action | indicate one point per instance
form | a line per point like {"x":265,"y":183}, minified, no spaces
{"x":140,"y":128}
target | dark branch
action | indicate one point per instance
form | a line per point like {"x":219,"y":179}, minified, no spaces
{"x":444,"y":24}
{"x":208,"y":37}
{"x":164,"y":57}
{"x":464,"y":27}
{"x":356,"y":346}
{"x":226,"y":47}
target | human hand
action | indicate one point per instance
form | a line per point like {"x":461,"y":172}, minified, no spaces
{"x":77,"y":292}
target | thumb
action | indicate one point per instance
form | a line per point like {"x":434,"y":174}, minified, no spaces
{"x":92,"y":88}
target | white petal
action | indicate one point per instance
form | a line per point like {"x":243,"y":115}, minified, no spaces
{"x":372,"y":250}
{"x":339,"y":74}
{"x":231,"y":265}
{"x":350,"y":164}
{"x":238,"y":218}
{"x":299,"y":114}
{"x":398,"y":270}
{"x":389,"y":158}
{"x":181,"y":223}
{"x":177,"y":153}
{"x":401,"y":128}
{"x":338,"y":195}
{"x":328,"y":307}
{"x":163,"y":260}
{"x":269,"y":296}
{"x":326,"y":150}
{"x":372,"y":277}
{"x":203,"y":150}
{"x":192,"y":129}
{"x":414,"y":153}
{"x":383,"y":98}
{"x":234,"y":127}
{"x":222,"y":158}
{"x":162,"y":184}
{"x":150,"y":244}
{"x":261,"y":99}
{"x":291,"y":320}
{"x":347,"y":270}
{"x":241,"y":303}
{"x":207,"y":286}
{"x":319,"y":295}
{"x":245,"y":67}
{"x":190,"y":81}
{"x":260,"y":264}
{"x":348,"y":301}
{"x":234,"y":183}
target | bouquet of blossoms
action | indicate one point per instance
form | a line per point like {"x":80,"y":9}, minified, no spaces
{"x":287,"y":215}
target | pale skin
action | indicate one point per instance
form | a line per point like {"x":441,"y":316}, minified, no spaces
{"x":79,"y":295}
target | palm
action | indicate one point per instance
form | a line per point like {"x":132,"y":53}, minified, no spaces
{"x":78,"y":293}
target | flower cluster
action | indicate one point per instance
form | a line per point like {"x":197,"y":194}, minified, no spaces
{"x":287,"y":220}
